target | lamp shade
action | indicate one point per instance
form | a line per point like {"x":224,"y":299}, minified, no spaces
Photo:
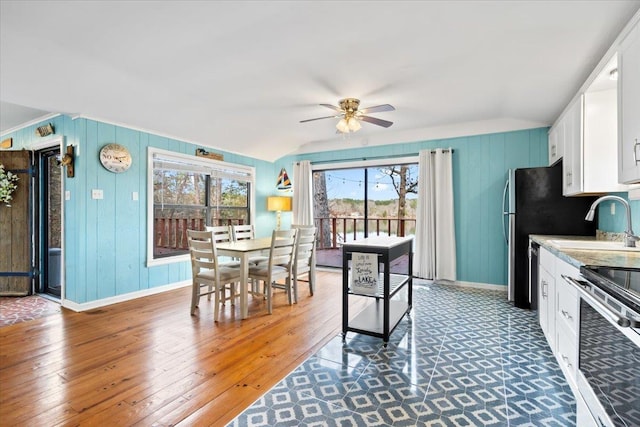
{"x":278,"y":203}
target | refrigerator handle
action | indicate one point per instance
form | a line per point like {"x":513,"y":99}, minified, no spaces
{"x":505,"y":213}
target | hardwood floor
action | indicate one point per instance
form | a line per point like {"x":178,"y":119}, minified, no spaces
{"x":148,"y":362}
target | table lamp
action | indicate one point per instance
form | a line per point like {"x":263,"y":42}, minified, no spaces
{"x":278,"y":204}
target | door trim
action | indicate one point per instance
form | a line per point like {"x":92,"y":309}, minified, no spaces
{"x":35,"y":147}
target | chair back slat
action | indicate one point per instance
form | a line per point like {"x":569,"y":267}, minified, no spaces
{"x":305,"y":246}
{"x":221,"y":233}
{"x":202,"y":249}
{"x":243,"y":232}
{"x":282,"y":247}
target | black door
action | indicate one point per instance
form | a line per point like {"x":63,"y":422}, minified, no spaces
{"x":50,"y":222}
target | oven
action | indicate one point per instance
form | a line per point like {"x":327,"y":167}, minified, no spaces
{"x":608,"y":376}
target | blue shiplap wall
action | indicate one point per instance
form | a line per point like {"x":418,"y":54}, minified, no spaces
{"x":105,"y":240}
{"x":480,"y":165}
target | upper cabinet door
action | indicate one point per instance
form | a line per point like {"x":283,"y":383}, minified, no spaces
{"x":629,"y":108}
{"x":555,"y":143}
{"x":572,"y":161}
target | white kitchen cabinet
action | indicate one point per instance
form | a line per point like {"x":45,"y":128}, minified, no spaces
{"x":555,"y":142}
{"x":590,"y":134}
{"x":558,"y":310}
{"x":572,"y":146}
{"x":546,"y":295}
{"x":583,"y":416}
{"x":567,"y":321}
{"x":629,"y":108}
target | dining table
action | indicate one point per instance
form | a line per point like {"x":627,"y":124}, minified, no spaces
{"x":243,"y":250}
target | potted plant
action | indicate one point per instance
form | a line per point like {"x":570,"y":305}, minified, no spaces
{"x":7,"y":185}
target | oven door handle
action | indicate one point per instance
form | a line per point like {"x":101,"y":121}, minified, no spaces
{"x":612,"y":316}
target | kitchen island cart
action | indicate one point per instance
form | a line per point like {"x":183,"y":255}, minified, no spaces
{"x":391,"y":293}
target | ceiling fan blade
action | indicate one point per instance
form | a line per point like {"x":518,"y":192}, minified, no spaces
{"x":373,"y":120}
{"x":333,"y":107}
{"x":377,"y":109}
{"x":319,"y":118}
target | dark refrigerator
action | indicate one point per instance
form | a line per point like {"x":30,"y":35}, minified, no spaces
{"x":533,"y":204}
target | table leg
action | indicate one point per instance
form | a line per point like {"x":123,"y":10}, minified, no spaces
{"x":244,"y":278}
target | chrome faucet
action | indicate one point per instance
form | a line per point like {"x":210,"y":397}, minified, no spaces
{"x":629,"y":238}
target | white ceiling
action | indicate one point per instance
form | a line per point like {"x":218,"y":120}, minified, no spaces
{"x":239,"y":76}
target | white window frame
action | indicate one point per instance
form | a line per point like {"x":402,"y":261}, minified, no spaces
{"x":194,"y":163}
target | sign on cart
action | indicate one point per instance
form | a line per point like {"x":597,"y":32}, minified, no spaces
{"x":364,"y":273}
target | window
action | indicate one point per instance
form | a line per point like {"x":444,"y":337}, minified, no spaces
{"x":362,"y":199}
{"x":188,"y":192}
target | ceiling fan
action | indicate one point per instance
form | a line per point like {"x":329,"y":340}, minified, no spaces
{"x":350,"y":116}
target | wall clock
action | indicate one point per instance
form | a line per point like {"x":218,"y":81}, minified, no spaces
{"x":115,"y":158}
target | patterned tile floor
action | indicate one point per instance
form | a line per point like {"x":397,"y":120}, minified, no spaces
{"x":21,"y":309}
{"x":464,"y":357}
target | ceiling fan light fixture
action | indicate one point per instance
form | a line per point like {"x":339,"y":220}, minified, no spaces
{"x":354,"y":124}
{"x":343,"y":126}
{"x":350,"y":117}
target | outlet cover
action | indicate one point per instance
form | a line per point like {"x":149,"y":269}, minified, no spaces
{"x":97,"y":194}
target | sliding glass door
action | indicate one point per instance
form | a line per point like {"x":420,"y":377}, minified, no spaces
{"x":358,"y":202}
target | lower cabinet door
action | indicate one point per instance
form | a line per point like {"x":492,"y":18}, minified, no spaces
{"x":583,"y":416}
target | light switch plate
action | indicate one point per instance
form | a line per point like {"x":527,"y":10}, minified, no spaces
{"x":134,"y":195}
{"x":67,"y":195}
{"x":97,"y":194}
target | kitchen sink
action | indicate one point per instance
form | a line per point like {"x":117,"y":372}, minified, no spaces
{"x":592,"y":245}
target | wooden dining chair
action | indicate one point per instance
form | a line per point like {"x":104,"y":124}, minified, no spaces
{"x":206,"y":271}
{"x":243,"y":232}
{"x":223,"y":233}
{"x":279,"y":266}
{"x":305,"y":257}
{"x":246,"y":232}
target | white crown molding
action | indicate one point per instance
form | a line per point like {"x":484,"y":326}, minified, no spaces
{"x":30,"y":123}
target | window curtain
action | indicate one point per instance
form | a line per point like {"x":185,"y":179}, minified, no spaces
{"x":302,"y":193}
{"x":435,"y":246}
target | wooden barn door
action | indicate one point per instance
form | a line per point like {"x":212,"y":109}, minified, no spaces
{"x":16,"y":270}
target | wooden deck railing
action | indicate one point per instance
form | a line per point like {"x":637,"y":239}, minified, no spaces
{"x":334,"y":230}
{"x":171,"y":233}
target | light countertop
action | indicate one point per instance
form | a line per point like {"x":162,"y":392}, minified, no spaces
{"x":580,"y":257}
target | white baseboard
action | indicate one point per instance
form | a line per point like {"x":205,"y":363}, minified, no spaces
{"x":121,"y":298}
{"x":477,"y":285}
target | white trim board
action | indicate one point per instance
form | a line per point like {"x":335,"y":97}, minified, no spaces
{"x":461,"y":284}
{"x":78,"y":307}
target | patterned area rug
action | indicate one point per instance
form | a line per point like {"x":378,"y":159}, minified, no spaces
{"x":20,"y":309}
